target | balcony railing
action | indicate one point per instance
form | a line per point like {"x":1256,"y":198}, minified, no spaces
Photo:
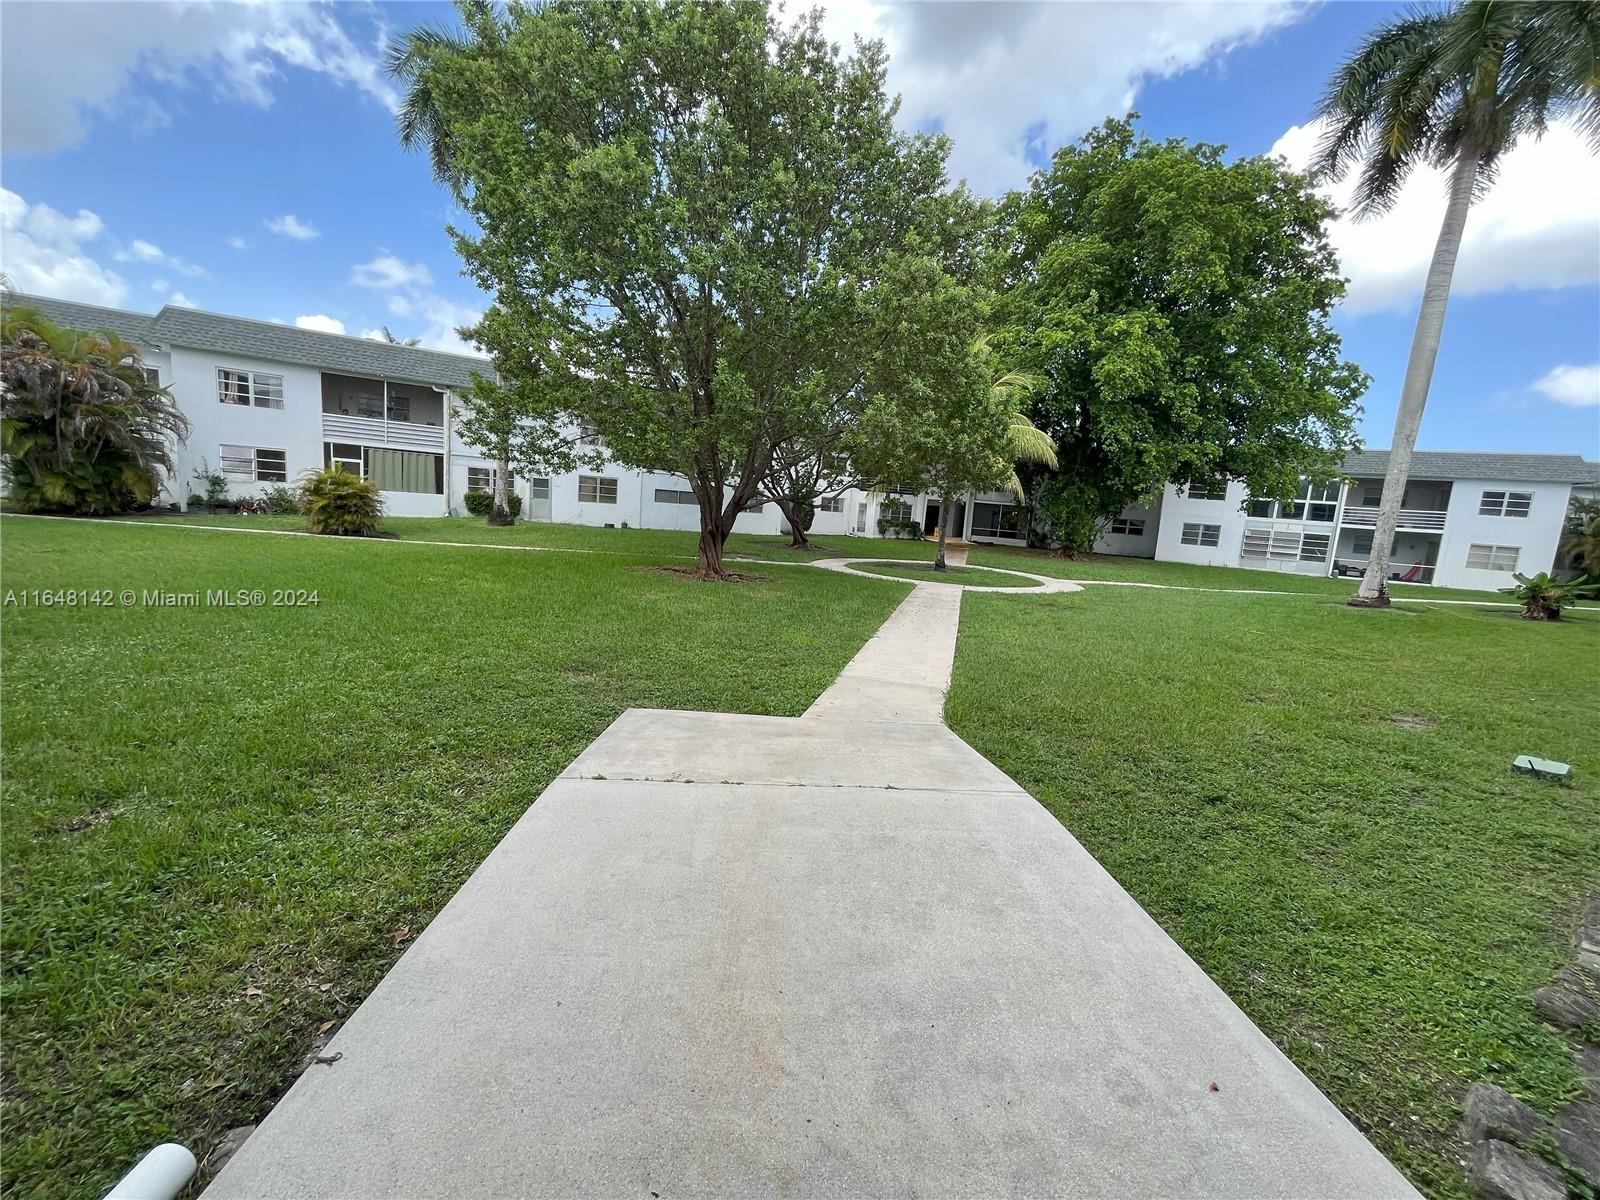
{"x":370,"y":431}
{"x":1410,"y":518}
{"x":1399,"y":572}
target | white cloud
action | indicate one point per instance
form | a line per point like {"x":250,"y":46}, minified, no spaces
{"x":388,"y":273}
{"x":320,"y":323}
{"x":159,"y":285}
{"x":141,"y":251}
{"x":125,"y":55}
{"x":181,"y":301}
{"x":1534,"y":229}
{"x":1576,"y":387}
{"x":1003,"y":78}
{"x":291,"y":226}
{"x":237,"y":242}
{"x":44,"y":251}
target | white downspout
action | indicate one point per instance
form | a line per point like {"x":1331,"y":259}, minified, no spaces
{"x":446,"y":397}
{"x":159,"y":1175}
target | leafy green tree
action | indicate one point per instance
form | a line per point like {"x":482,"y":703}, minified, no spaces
{"x":936,"y":421}
{"x":81,"y":428}
{"x":1580,"y":536}
{"x":515,"y":418}
{"x":694,"y":199}
{"x":1455,"y":88}
{"x":1175,"y":307}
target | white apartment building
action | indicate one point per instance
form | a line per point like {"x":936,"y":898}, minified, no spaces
{"x":267,"y":402}
{"x":1467,"y":520}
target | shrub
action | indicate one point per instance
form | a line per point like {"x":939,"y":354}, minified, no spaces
{"x":481,"y":504}
{"x":280,"y":501}
{"x":1543,"y":596}
{"x":339,"y":503}
{"x":81,"y":428}
{"x":216,"y":485}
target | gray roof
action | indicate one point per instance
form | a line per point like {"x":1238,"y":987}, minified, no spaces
{"x":1472,"y":464}
{"x":196,"y":329}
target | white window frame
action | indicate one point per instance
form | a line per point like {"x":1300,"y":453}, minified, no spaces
{"x":249,"y":389}
{"x":331,"y":456}
{"x":833,"y":504}
{"x":1127,"y":526}
{"x":245,"y":463}
{"x":675,"y":496}
{"x":1499,"y":503}
{"x":1198,"y":533}
{"x":602,"y":489}
{"x":491,"y":476}
{"x":539,"y":487}
{"x":1481,"y":556}
{"x":1207,"y":491}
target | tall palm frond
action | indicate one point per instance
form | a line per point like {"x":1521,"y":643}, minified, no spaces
{"x":420,"y":122}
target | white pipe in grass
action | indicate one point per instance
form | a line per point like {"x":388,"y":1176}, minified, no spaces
{"x":159,"y":1175}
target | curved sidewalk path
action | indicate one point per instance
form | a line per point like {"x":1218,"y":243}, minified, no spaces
{"x":835,"y":955}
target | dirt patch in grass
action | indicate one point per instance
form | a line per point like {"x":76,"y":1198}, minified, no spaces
{"x":694,"y":576}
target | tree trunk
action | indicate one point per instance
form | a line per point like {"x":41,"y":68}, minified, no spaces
{"x":1374,"y":589}
{"x":944,"y":532}
{"x":709,"y":562}
{"x":797,"y":525}
{"x":500,"y":514}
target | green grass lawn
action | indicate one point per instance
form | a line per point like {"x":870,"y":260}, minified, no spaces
{"x":663,"y":543}
{"x":222,"y":826}
{"x":1119,"y":568}
{"x":924,"y":573}
{"x":1380,"y":899}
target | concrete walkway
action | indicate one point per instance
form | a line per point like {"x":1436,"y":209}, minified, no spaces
{"x":840,"y":955}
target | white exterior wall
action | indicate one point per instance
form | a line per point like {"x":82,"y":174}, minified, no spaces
{"x":1178,"y":509}
{"x":1140,"y":546}
{"x":1537,"y":534}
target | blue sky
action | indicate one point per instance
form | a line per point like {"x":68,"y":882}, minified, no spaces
{"x":163,"y":166}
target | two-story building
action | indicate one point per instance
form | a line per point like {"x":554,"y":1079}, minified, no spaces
{"x":1467,"y":520}
{"x":268,"y":401}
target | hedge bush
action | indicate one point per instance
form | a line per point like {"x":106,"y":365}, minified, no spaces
{"x":481,"y":504}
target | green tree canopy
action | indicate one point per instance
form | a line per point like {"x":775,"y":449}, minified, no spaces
{"x":694,"y":199}
{"x":1175,"y":308}
{"x":82,"y":429}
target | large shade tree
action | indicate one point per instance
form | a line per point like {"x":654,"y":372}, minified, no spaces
{"x":1175,"y":308}
{"x":695,"y":200}
{"x":1454,"y":88}
{"x":82,"y":429}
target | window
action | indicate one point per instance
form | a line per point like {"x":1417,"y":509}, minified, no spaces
{"x":1217,"y":490}
{"x":1361,"y":544}
{"x":996,"y":521}
{"x":539,"y":488}
{"x":831,"y":504}
{"x":1492,"y":558}
{"x":1284,"y":545}
{"x":405,"y":471}
{"x":370,"y":406}
{"x":758,"y":506}
{"x":1200,"y":535}
{"x":1505,"y":504}
{"x":589,"y":437}
{"x":674,"y":496}
{"x":399,"y":408}
{"x":861,"y":517}
{"x":1314,"y":502}
{"x":250,"y":462}
{"x":1127,"y":527}
{"x":482,"y":479}
{"x":152,"y":376}
{"x":345,"y":457}
{"x":597,"y":489}
{"x":249,"y":388}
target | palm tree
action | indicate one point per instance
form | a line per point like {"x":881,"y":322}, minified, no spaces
{"x":1455,"y":88}
{"x":1027,"y":442}
{"x":82,"y":428}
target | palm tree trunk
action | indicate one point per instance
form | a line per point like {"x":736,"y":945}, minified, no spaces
{"x":501,"y":513}
{"x":1374,"y":591}
{"x":944,"y":530}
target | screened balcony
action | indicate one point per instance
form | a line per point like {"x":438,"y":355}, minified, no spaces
{"x":376,"y":412}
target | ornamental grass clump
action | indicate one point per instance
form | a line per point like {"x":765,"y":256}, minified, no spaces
{"x":339,"y":503}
